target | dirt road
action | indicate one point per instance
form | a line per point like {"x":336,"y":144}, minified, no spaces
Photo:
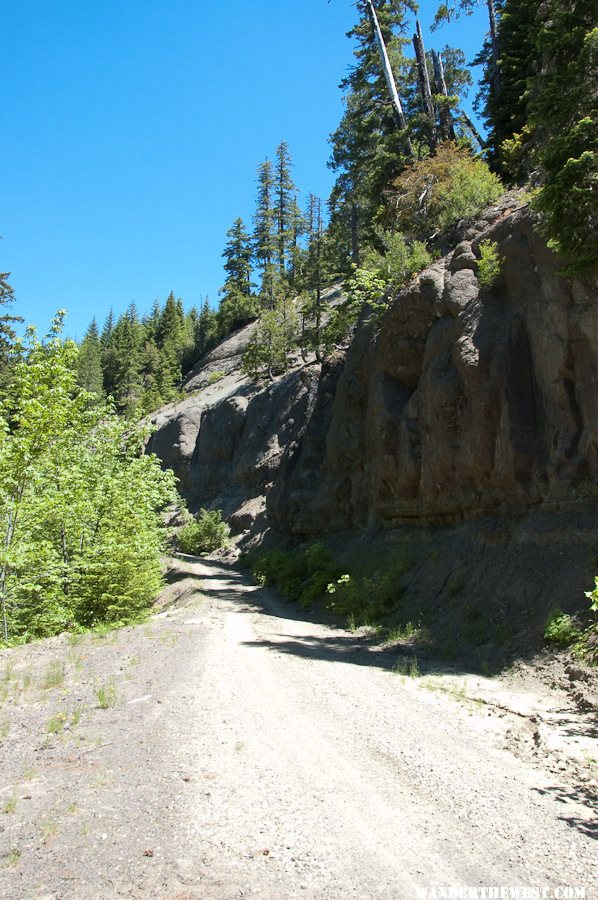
{"x":230,"y":749}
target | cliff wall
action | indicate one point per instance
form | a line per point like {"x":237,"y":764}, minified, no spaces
{"x":461,"y":401}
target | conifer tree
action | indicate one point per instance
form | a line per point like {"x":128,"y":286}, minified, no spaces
{"x":312,"y":276}
{"x":264,"y":234}
{"x":285,"y":209}
{"x":89,"y":362}
{"x":8,"y":346}
{"x":563,"y":112}
{"x":368,"y":147}
{"x":206,"y":330}
{"x":237,"y":305}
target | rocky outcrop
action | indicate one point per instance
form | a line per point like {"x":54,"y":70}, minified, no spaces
{"x":462,"y":401}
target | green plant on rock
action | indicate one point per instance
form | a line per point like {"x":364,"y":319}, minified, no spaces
{"x":435,"y":193}
{"x":560,"y":629}
{"x":489,"y":264}
{"x":204,"y":534}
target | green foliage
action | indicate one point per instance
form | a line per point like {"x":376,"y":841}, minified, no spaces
{"x":489,"y":264}
{"x":238,"y":305}
{"x":300,"y":575}
{"x":560,"y":629}
{"x":374,"y":284}
{"x":436,"y":193}
{"x":139,"y":362}
{"x":9,"y":346}
{"x":311,"y":576}
{"x":80,"y":524}
{"x":563,"y":112}
{"x":267,"y":353}
{"x":107,"y":694}
{"x":204,"y":534}
{"x":407,"y":666}
{"x":593,"y":597}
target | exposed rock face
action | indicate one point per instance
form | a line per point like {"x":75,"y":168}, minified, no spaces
{"x":462,"y":401}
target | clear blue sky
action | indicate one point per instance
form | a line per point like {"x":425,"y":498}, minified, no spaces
{"x":132,"y":130}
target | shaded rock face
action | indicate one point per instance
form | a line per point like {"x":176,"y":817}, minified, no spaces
{"x":462,"y":401}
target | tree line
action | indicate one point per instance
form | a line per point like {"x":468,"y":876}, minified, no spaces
{"x":409,"y":165}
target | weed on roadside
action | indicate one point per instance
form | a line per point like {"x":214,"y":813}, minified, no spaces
{"x":405,"y":632}
{"x":10,"y":805}
{"x":56,"y":723}
{"x":12,"y":857}
{"x":48,"y":828}
{"x":54,"y":675}
{"x":107,"y":694}
{"x":560,"y":629}
{"x":408,"y":667}
{"x":4,"y":729}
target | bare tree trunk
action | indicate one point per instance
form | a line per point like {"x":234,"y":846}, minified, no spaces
{"x":447,"y":129}
{"x":354,"y":235}
{"x":399,"y":115}
{"x":474,"y":130}
{"x":424,"y":82}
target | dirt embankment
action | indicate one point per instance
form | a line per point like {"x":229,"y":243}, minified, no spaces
{"x":231,"y":748}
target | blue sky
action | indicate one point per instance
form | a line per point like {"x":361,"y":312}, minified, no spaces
{"x":132,"y":130}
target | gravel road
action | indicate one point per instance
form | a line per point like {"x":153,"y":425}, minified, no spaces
{"x":231,"y":748}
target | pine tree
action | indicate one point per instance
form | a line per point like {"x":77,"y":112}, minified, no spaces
{"x":89,"y":362}
{"x":285,"y":209}
{"x":563,"y":110}
{"x":122,"y":360}
{"x":312,"y":276}
{"x":206,"y":330}
{"x":264,"y":233}
{"x":369,"y":147}
{"x":171,"y":340}
{"x":8,"y":347}
{"x":237,"y":304}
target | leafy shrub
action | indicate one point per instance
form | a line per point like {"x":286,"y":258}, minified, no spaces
{"x":434,"y":194}
{"x":374,"y":284}
{"x":489,"y":264}
{"x":300,"y":575}
{"x":311,"y":576}
{"x":560,"y":629}
{"x":593,"y":596}
{"x":206,"y":533}
{"x":215,"y":377}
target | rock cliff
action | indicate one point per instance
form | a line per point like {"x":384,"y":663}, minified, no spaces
{"x":461,"y":401}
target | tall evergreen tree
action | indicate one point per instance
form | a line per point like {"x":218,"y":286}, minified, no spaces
{"x":563,"y":111}
{"x":89,"y":361}
{"x":264,"y":234}
{"x":206,"y":330}
{"x":285,"y":209}
{"x":312,"y":276}
{"x":237,"y":304}
{"x":8,"y":335}
{"x":369,"y":147}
